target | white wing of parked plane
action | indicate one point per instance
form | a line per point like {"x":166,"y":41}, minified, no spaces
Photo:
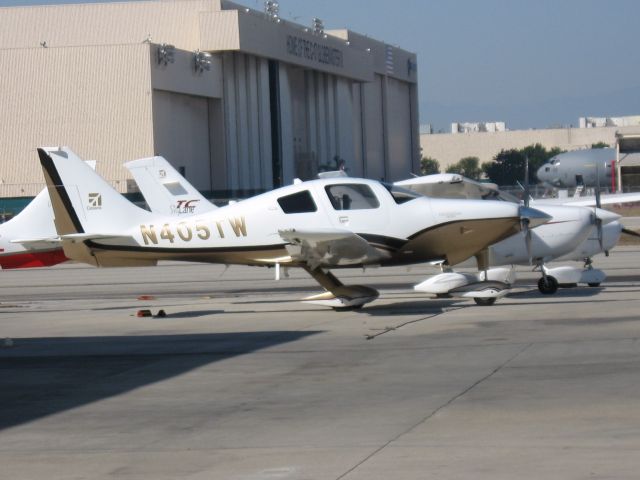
{"x":453,"y":185}
{"x":590,"y":200}
{"x":450,"y":185}
{"x":165,"y":190}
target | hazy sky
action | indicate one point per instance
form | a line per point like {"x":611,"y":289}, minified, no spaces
{"x":531,"y":64}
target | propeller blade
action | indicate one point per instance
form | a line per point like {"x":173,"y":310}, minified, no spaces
{"x":526,"y":233}
{"x":633,"y":233}
{"x":599,"y":229}
{"x":598,"y":201}
{"x":531,"y":218}
{"x":527,"y":240}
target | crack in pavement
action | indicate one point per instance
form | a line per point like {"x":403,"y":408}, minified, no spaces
{"x":437,"y":410}
{"x":409,"y":322}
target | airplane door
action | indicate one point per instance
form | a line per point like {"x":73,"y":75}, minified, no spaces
{"x":359,"y":207}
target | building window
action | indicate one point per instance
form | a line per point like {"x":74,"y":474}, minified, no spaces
{"x":300,"y":202}
{"x":352,"y":197}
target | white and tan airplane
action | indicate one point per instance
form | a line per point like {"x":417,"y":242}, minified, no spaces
{"x":317,"y":225}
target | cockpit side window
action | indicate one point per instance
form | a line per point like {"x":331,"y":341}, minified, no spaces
{"x":299,"y":202}
{"x":347,"y":196}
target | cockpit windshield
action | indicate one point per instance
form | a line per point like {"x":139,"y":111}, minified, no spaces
{"x":506,"y":197}
{"x":400,"y":194}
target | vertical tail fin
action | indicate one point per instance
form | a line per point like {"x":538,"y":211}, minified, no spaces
{"x":165,"y":190}
{"x":82,"y":201}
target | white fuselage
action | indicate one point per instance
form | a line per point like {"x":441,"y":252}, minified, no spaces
{"x":569,"y":227}
{"x":590,"y":246}
{"x":252,"y":226}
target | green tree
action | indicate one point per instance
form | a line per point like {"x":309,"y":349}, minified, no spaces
{"x":508,"y":165}
{"x":600,"y":145}
{"x":429,"y":166}
{"x":467,"y":166}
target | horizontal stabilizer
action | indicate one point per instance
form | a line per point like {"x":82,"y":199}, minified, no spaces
{"x":37,"y":243}
{"x":106,"y":237}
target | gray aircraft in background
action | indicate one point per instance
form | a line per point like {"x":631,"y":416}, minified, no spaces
{"x":578,"y":169}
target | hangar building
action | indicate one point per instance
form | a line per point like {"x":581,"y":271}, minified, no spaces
{"x":239,"y":99}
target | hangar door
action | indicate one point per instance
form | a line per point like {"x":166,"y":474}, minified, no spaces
{"x":181,"y":134}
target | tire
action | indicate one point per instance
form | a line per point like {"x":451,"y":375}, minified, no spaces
{"x":594,"y":284}
{"x":348,"y":309}
{"x":549,"y":287}
{"x":484,"y":301}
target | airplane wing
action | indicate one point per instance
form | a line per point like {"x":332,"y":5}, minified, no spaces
{"x":329,"y":247}
{"x":450,"y":185}
{"x":590,"y":201}
{"x":117,"y":239}
{"x":72,"y":237}
{"x":49,"y":242}
{"x":37,"y":243}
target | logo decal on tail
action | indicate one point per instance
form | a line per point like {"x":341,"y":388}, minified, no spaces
{"x":184,"y":206}
{"x":94,"y":201}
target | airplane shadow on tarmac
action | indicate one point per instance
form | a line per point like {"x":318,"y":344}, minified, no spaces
{"x":44,"y":376}
{"x":431,"y":306}
{"x":414,"y":307}
{"x":573,"y":292}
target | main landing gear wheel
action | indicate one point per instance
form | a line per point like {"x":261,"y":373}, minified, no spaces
{"x":594,"y":284}
{"x":548,"y":285}
{"x":484,"y":301}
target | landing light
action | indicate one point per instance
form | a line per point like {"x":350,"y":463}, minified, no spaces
{"x":202,"y":61}
{"x":165,"y":54}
